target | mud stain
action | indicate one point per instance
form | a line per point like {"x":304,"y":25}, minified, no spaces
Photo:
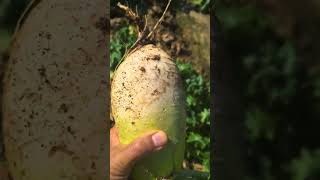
{"x":61,"y":148}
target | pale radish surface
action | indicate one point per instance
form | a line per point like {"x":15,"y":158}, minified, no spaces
{"x":55,"y":93}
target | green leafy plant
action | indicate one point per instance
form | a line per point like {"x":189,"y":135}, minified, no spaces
{"x":198,"y":112}
{"x":120,"y":42}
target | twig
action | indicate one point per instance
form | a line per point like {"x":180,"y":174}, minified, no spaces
{"x":143,"y":34}
{"x":134,"y":16}
{"x":160,"y":20}
{"x":129,"y":12}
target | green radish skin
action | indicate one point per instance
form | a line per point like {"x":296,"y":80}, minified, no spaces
{"x":147,"y":95}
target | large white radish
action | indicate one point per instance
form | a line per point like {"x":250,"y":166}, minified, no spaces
{"x":55,"y":92}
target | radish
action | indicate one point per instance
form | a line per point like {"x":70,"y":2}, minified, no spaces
{"x":55,"y":92}
{"x":147,"y":95}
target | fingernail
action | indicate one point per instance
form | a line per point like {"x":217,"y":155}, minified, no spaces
{"x":159,"y":139}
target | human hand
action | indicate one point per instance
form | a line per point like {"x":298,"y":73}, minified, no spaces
{"x":123,"y":157}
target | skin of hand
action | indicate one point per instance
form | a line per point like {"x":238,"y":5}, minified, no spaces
{"x":123,"y":157}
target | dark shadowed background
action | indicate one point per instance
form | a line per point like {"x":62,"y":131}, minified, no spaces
{"x":271,"y":48}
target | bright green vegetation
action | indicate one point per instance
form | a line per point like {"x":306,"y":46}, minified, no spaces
{"x":281,"y":84}
{"x":198,"y":115}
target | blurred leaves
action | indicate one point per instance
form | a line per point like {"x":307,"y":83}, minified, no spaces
{"x":273,"y":67}
{"x":260,"y":124}
{"x":120,"y":42}
{"x":282,"y":93}
{"x":307,"y":166}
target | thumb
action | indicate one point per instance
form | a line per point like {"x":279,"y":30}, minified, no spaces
{"x":145,"y":145}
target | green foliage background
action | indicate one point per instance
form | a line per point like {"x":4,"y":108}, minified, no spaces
{"x":282,"y":92}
